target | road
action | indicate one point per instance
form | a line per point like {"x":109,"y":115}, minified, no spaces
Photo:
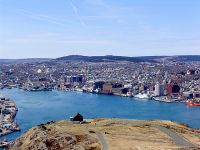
{"x":178,"y":139}
{"x":102,"y":140}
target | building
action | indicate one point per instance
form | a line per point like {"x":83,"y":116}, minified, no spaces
{"x":159,"y":89}
{"x":99,"y":85}
{"x":191,"y":72}
{"x":77,"y":117}
{"x":107,"y":88}
{"x":125,"y":90}
{"x":172,"y":88}
{"x":196,"y":94}
{"x":76,"y":79}
{"x":188,"y":95}
{"x":117,"y":85}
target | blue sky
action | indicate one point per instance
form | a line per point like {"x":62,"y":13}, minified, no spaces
{"x":53,"y":28}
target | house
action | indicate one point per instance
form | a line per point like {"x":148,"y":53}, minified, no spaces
{"x":77,"y":117}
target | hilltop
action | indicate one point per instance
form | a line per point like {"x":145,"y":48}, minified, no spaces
{"x":25,"y":60}
{"x":116,"y":134}
{"x":107,"y":58}
{"x":111,"y":58}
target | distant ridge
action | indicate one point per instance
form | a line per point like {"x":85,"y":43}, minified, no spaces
{"x":25,"y":60}
{"x":107,"y":58}
{"x":111,"y":58}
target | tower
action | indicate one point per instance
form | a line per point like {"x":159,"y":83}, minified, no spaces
{"x":159,"y":89}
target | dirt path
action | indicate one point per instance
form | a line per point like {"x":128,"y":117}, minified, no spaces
{"x":102,"y":140}
{"x":178,"y":139}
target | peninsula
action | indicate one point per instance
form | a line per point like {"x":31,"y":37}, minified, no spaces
{"x":8,"y":111}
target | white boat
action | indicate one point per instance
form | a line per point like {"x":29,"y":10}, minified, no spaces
{"x":79,"y":90}
{"x":142,"y":96}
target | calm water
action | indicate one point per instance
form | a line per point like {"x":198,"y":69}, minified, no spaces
{"x":39,"y":107}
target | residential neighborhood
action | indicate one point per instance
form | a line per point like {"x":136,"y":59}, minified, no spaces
{"x":166,"y":81}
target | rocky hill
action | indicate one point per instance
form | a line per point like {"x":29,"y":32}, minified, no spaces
{"x":114,"y":134}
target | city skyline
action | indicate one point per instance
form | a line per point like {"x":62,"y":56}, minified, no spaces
{"x":51,"y":29}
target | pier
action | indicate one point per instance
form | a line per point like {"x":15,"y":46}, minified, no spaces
{"x":8,"y":111}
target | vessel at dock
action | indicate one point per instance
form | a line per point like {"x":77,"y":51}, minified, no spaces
{"x":4,"y":144}
{"x":7,"y":114}
{"x":192,"y":103}
{"x":142,"y":96}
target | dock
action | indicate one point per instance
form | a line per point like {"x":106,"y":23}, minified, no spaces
{"x":8,"y":111}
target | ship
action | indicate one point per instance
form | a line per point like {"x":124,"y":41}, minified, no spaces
{"x":192,"y":103}
{"x":142,"y":96}
{"x":4,"y":144}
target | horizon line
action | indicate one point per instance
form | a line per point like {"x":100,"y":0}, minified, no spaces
{"x":98,"y":56}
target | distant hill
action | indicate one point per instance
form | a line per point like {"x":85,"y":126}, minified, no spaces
{"x":26,"y":60}
{"x":111,"y":58}
{"x":188,"y":58}
{"x":107,"y":58}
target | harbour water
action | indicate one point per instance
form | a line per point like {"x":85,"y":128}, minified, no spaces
{"x":40,"y":107}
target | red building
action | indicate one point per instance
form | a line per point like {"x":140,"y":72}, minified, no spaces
{"x":107,"y":88}
{"x":172,"y":88}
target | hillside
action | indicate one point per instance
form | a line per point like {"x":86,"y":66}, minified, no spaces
{"x":113,"y":134}
{"x":107,"y":58}
{"x":26,"y":60}
{"x":111,"y":58}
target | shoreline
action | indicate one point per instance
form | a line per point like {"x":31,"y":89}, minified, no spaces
{"x":80,"y":93}
{"x":8,"y":112}
{"x":159,"y":99}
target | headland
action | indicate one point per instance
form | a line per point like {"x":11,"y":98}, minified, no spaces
{"x":111,"y":134}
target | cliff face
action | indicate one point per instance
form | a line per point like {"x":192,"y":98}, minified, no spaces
{"x":114,"y":134}
{"x":55,"y":136}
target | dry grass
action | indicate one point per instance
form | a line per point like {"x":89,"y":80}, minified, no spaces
{"x":66,"y":135}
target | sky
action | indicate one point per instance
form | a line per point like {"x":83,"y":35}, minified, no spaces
{"x":54,"y":28}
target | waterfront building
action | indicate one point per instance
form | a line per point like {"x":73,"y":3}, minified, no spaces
{"x":188,"y":95}
{"x":159,"y":89}
{"x":196,"y":94}
{"x":99,"y":85}
{"x":76,"y":79}
{"x":125,"y":90}
{"x":107,"y":88}
{"x":117,"y":85}
{"x":172,"y":88}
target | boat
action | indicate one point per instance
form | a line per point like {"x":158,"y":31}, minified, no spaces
{"x":79,"y":90}
{"x":4,"y":144}
{"x":142,"y":96}
{"x":192,"y":103}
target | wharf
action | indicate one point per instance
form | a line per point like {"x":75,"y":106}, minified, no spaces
{"x":4,"y":144}
{"x":8,"y":111}
{"x":166,"y":100}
